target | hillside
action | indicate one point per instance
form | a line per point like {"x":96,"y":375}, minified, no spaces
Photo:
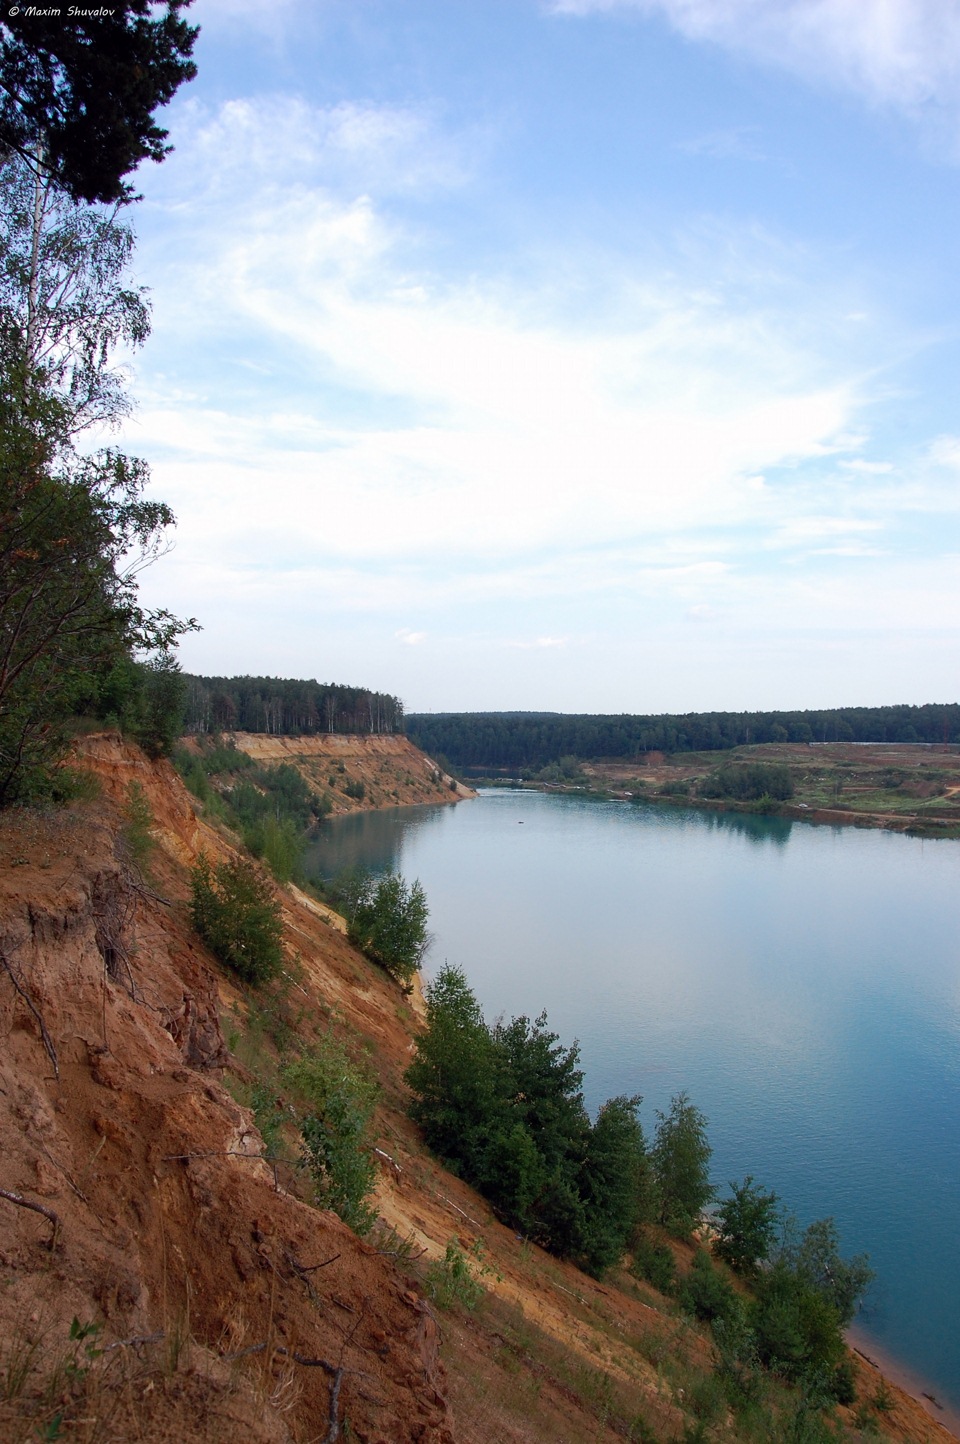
{"x":354,"y":771}
{"x":211,"y":1300}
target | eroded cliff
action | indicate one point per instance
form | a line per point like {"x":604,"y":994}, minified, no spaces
{"x":211,"y":1300}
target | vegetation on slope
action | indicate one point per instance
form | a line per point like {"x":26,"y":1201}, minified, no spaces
{"x":502,"y":1105}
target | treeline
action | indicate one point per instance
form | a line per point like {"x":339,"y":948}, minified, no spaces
{"x":519,"y":740}
{"x":286,"y":707}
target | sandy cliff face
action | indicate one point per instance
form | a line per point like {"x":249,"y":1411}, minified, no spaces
{"x":228,"y":1307}
{"x":114,"y":1119}
{"x":393,"y":772}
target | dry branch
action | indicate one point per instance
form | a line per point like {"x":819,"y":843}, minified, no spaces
{"x":22,"y":1202}
{"x":47,"y":1040}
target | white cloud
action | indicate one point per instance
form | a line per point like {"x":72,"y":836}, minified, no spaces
{"x":399,"y":414}
{"x":904,"y":53}
{"x":278,"y":142}
{"x":355,"y":437}
{"x":804,"y":529}
{"x":868,"y":468}
{"x":945,"y":451}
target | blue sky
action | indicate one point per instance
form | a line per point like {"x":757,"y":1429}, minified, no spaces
{"x":589,"y":355}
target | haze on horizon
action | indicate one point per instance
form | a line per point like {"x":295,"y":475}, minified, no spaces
{"x":572,"y":355}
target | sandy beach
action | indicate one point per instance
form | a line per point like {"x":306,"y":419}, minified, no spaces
{"x":906,"y":1379}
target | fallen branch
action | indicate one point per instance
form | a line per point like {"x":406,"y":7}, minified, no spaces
{"x":300,"y":1359}
{"x":380,"y":1152}
{"x":333,"y":1433}
{"x":458,"y":1209}
{"x":22,"y":1202}
{"x":303,"y":1272}
{"x":47,"y":1040}
{"x":227,"y":1153}
{"x":312,"y":1268}
{"x":137,"y":1341}
{"x":407,"y":1255}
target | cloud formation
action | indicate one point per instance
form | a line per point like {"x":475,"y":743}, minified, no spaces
{"x":422,"y":413}
{"x":904,"y":53}
{"x":350,"y":430}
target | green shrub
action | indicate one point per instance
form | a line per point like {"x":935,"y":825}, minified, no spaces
{"x":335,"y":1115}
{"x":219,"y":757}
{"x":747,"y":1224}
{"x":705,"y":1292}
{"x":279,"y":845}
{"x":235,"y":912}
{"x":749,"y":782}
{"x":798,"y":1332}
{"x":137,"y":824}
{"x":268,"y":1117}
{"x":455,"y":1280}
{"x":654,"y":1263}
{"x":843,"y":1385}
{"x":681,"y":1161}
{"x":388,"y":921}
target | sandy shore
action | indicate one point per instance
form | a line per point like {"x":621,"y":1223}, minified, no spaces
{"x":906,"y":1379}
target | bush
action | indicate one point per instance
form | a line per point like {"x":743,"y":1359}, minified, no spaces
{"x":654,"y":1263}
{"x":235,"y":912}
{"x":705,"y":1292}
{"x":388,"y":921}
{"x":137,"y":831}
{"x":843,"y":1383}
{"x":804,"y":1301}
{"x":453,"y":1279}
{"x":749,"y":782}
{"x":680,"y":787}
{"x":681,"y":1161}
{"x":335,"y":1117}
{"x":747,"y":1223}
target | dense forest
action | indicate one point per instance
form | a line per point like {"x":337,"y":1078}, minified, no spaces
{"x":287,"y":707}
{"x":517,"y":740}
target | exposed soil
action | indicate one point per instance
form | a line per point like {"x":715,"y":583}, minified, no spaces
{"x":228,"y":1307}
{"x":393,"y":772}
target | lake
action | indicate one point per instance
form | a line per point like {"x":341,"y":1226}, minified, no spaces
{"x":800,"y":982}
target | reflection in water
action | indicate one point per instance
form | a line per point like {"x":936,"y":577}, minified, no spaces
{"x":802,"y":982}
{"x":751,"y":825}
{"x":372,"y":840}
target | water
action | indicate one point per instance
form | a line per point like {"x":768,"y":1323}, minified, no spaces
{"x":802,"y":983}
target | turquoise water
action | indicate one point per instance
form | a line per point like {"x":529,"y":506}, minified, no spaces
{"x":802,"y":983}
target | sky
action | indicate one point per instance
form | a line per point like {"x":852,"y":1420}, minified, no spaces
{"x":575,"y":355}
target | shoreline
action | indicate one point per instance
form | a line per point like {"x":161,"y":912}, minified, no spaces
{"x":887,"y":1366}
{"x":909,"y":824}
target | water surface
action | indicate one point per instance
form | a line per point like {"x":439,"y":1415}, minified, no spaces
{"x":802,"y":983}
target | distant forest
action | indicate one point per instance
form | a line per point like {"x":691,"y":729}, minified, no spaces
{"x":517,"y":740}
{"x":286,"y":708}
